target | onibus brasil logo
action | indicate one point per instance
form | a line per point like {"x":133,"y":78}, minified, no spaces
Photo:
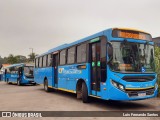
{"x":21,"y":114}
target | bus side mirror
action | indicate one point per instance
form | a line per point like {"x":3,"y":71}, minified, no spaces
{"x":110,"y":50}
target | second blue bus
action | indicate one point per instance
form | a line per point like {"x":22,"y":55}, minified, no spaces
{"x":19,"y":74}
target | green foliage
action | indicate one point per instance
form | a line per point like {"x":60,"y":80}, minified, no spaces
{"x":11,"y":59}
{"x":157,"y":59}
{"x":157,"y":62}
{"x":1,"y":60}
{"x":32,"y":56}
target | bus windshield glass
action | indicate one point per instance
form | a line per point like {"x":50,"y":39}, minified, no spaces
{"x":28,"y":71}
{"x":132,"y":57}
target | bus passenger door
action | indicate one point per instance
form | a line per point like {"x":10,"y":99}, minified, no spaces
{"x":20,"y":74}
{"x":95,"y":67}
{"x":5,"y":75}
{"x":55,"y":66}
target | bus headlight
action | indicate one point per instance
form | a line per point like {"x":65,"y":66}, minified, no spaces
{"x":156,"y":86}
{"x":121,"y":87}
{"x":118,"y":85}
{"x":114,"y":84}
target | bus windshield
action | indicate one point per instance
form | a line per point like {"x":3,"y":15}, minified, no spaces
{"x":132,"y":57}
{"x":28,"y":71}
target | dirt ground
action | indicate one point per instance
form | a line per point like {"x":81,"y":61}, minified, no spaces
{"x":34,"y":98}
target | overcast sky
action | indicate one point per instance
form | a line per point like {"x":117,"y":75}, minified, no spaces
{"x":44,"y":24}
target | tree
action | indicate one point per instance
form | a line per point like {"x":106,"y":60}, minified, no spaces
{"x":1,"y":60}
{"x":32,"y":56}
{"x":21,"y":59}
{"x":157,"y":62}
{"x":157,"y":58}
{"x":12,"y":59}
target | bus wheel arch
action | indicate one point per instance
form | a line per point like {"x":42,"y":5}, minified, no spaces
{"x":79,"y":88}
{"x":45,"y":78}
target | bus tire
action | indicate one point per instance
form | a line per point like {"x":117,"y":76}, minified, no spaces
{"x":18,"y":82}
{"x":46,"y":88}
{"x":7,"y":81}
{"x":85,"y":97}
{"x":34,"y":84}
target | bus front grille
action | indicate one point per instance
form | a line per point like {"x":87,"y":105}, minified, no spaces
{"x":135,"y":93}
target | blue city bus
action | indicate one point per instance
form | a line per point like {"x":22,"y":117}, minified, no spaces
{"x":19,"y":74}
{"x":115,"y":64}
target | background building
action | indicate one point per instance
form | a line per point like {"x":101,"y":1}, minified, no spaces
{"x":157,"y":41}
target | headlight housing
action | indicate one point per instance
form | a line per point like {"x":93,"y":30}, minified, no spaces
{"x":118,"y":85}
{"x":156,"y":85}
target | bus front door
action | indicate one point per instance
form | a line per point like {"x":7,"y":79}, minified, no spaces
{"x":5,"y":75}
{"x":95,"y":68}
{"x":55,"y":65}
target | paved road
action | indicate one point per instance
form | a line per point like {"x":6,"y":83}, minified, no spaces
{"x":34,"y":98}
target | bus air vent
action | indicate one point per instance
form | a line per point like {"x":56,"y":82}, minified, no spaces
{"x":138,"y":78}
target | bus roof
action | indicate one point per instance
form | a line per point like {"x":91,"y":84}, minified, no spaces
{"x":84,"y":40}
{"x":18,"y":65}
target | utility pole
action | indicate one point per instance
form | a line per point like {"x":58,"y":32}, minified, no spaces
{"x":31,"y":54}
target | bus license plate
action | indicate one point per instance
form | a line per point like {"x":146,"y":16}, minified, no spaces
{"x":141,"y":94}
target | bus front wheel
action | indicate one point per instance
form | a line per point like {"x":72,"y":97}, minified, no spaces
{"x":7,"y":81}
{"x":85,"y":97}
{"x":46,"y":86}
{"x":18,"y":82}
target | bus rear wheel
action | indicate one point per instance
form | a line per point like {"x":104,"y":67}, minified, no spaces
{"x":46,"y":86}
{"x":85,"y":97}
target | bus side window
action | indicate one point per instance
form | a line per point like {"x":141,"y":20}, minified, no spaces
{"x":81,"y":53}
{"x":35,"y":61}
{"x":44,"y":61}
{"x":7,"y":71}
{"x":49,"y":60}
{"x":63,"y":57}
{"x":71,"y":55}
{"x":40,"y":62}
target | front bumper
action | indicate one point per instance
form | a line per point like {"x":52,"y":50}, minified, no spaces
{"x":116,"y":94}
{"x":32,"y":82}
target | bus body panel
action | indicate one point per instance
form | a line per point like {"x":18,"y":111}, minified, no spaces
{"x":68,"y":75}
{"x":14,"y":77}
{"x":44,"y":73}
